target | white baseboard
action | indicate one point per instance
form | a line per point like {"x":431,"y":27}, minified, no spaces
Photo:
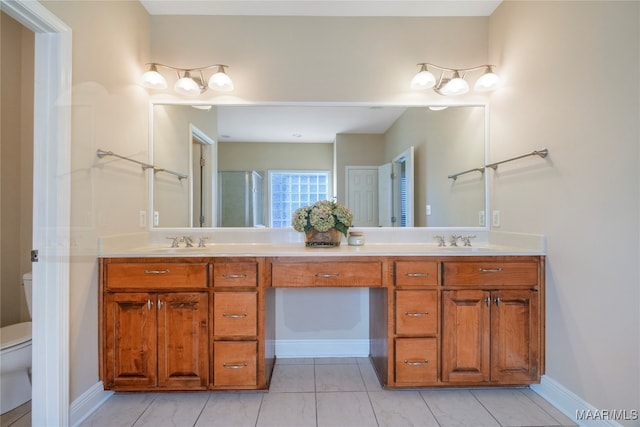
{"x":322,"y":348}
{"x":87,"y":403}
{"x":571,"y":404}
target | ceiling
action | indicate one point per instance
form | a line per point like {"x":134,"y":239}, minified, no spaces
{"x":322,"y":7}
{"x":302,"y":123}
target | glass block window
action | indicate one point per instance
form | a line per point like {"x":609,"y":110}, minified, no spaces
{"x":290,"y":190}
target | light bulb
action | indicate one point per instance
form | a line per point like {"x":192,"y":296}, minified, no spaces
{"x":221,"y":81}
{"x":456,"y":86}
{"x":187,"y":86}
{"x":423,"y":80}
{"x":487,"y":82}
{"x":152,"y":79}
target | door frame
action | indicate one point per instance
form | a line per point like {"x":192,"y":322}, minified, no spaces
{"x":51,"y":210}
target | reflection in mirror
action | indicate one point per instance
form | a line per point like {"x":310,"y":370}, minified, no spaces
{"x":356,"y":148}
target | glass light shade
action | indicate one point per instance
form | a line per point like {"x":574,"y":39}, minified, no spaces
{"x":221,"y":81}
{"x":152,"y":79}
{"x":487,"y":82}
{"x":187,"y":86}
{"x":423,"y":80}
{"x":455,"y":86}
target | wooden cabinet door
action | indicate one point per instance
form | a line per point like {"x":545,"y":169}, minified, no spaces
{"x":465,"y":336}
{"x":183,"y":340}
{"x":514,"y":336}
{"x":130,"y":340}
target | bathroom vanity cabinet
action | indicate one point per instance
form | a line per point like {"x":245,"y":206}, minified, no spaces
{"x":192,"y":323}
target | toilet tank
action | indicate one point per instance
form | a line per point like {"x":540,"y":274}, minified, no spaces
{"x":28,"y":289}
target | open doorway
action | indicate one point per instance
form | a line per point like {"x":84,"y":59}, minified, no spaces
{"x":51,"y":207}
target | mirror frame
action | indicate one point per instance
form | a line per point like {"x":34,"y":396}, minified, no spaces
{"x":171,"y":101}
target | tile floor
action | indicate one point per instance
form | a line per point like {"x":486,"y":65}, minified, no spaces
{"x":326,"y":392}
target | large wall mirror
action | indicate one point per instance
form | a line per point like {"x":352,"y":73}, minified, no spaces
{"x":249,"y":165}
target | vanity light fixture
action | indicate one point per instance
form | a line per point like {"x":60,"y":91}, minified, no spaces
{"x":451,"y":83}
{"x":187,"y":83}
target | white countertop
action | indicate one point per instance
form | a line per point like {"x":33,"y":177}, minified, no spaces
{"x":293,"y":249}
{"x":282,"y":242}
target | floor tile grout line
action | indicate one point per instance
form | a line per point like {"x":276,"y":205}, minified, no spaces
{"x":144,"y":410}
{"x":485,"y":408}
{"x":429,"y":408}
{"x":202,"y":409}
{"x":560,"y":424}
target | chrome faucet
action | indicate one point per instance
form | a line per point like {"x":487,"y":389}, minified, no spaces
{"x":201,"y":241}
{"x":467,"y":240}
{"x":174,"y":242}
{"x":440,"y":240}
{"x":453,"y":240}
{"x":188,"y":241}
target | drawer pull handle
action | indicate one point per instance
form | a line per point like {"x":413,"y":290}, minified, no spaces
{"x":156,"y":271}
{"x":234,"y":365}
{"x":410,"y":314}
{"x":327,"y":275}
{"x":417,"y":274}
{"x":416,"y":362}
{"x":234,"y":276}
{"x":234,"y":316}
{"x":490,"y":270}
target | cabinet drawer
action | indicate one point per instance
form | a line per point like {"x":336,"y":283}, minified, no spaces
{"x":235,"y":314}
{"x":235,"y":363}
{"x":327,"y":274}
{"x":416,"y":273}
{"x":416,"y":312}
{"x":156,"y":275}
{"x":416,"y":361}
{"x":490,"y":273}
{"x":235,"y":274}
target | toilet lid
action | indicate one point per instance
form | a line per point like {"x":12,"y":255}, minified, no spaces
{"x":14,"y":334}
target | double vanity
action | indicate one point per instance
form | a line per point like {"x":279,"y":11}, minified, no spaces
{"x":205,"y":318}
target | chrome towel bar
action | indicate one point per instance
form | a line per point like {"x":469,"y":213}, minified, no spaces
{"x":103,"y":153}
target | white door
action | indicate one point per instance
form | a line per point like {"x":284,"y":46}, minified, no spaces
{"x":362,"y":195}
{"x":385,"y":195}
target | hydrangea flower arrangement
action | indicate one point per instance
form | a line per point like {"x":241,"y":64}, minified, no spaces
{"x":323,"y":216}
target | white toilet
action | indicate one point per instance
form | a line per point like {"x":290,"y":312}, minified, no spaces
{"x":15,"y":359}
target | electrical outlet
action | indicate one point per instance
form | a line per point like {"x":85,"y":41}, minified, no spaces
{"x":156,"y":218}
{"x":495,"y":219}
{"x":142,"y":219}
{"x":481,"y":218}
{"x":428,"y":209}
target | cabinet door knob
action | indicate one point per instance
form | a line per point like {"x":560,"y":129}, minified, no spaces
{"x":234,"y":365}
{"x":416,"y":314}
{"x":156,"y":271}
{"x":327,"y":275}
{"x":490,"y":270}
{"x":149,"y":304}
{"x":234,"y":276}
{"x":234,"y":316}
{"x":416,"y":362}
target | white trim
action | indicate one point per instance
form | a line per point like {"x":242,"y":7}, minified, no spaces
{"x":51,"y":210}
{"x":87,"y":403}
{"x":322,"y":348}
{"x":569,"y":403}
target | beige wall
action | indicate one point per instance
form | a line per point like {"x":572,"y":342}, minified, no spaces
{"x":16,"y":169}
{"x":262,"y":156}
{"x":109,"y":111}
{"x":571,"y":72}
{"x":445,"y":142}
{"x":357,"y":150}
{"x":172,"y":150}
